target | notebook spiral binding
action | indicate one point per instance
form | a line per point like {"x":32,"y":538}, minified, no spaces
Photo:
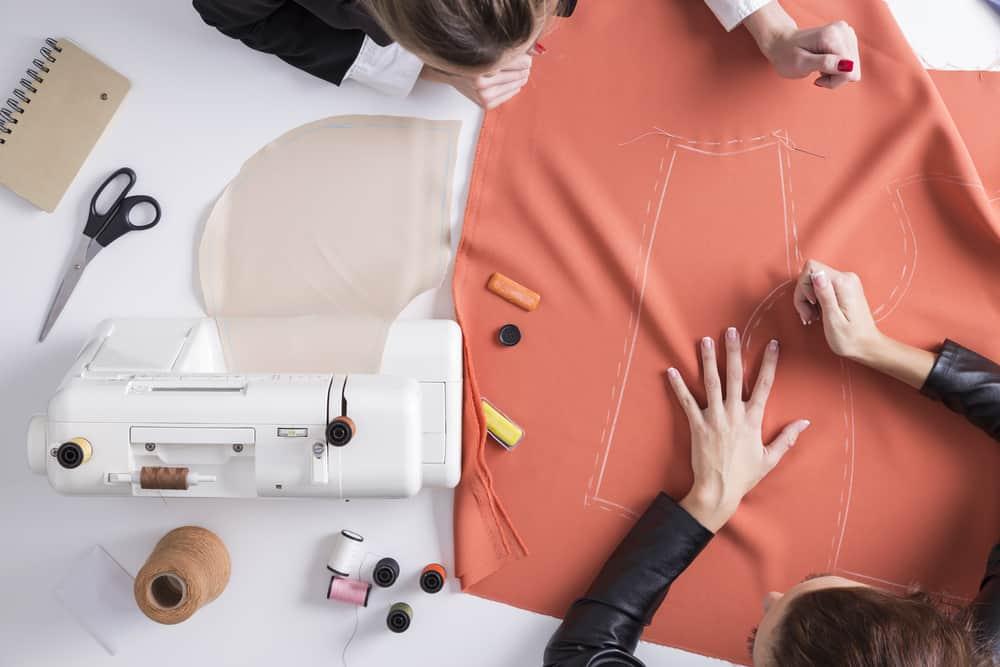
{"x":28,"y":87}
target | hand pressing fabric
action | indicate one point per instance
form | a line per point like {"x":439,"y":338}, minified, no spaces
{"x":488,"y":90}
{"x":727,"y":453}
{"x":838,"y":298}
{"x":830,"y":50}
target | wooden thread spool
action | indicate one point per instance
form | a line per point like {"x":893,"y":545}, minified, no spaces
{"x":189,"y":567}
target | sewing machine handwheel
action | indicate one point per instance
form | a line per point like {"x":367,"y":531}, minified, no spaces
{"x":340,"y":431}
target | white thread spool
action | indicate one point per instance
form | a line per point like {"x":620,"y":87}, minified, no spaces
{"x":347,"y":553}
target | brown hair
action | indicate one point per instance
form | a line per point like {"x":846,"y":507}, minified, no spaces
{"x":466,"y":33}
{"x":866,"y":627}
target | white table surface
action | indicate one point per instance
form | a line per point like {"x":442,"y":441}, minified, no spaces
{"x":200,"y":105}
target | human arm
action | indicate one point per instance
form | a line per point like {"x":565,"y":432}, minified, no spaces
{"x":831,"y":50}
{"x":332,"y":40}
{"x":728,"y":460}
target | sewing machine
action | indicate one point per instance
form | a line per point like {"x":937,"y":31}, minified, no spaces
{"x":149,"y":409}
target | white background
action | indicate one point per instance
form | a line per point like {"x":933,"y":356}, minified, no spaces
{"x":200,"y":105}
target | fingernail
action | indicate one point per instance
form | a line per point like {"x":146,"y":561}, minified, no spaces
{"x":804,"y":424}
{"x":731,"y":333}
{"x":706,"y":343}
{"x":818,"y":84}
{"x":845,"y":66}
{"x":539,"y":49}
{"x":820,"y":280}
{"x":803,"y":320}
{"x":672,"y":372}
{"x":773,"y":345}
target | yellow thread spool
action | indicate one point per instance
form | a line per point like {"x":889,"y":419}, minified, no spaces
{"x":501,"y":427}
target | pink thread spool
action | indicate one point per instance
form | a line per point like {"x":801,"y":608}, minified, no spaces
{"x":350,"y":591}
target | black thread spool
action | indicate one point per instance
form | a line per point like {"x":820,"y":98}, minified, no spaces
{"x":386,"y":572}
{"x":399,"y":618}
{"x":340,"y":431}
{"x":73,"y":453}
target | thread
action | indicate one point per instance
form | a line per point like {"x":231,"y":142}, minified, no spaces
{"x":399,"y":618}
{"x":188,"y":568}
{"x":386,"y":572}
{"x":347,"y":553}
{"x":160,"y":477}
{"x":433,"y":577}
{"x":350,"y":591}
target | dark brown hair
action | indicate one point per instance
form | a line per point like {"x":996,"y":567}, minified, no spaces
{"x":466,"y":33}
{"x":866,"y":627}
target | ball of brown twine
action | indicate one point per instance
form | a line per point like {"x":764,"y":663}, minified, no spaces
{"x":189,"y":567}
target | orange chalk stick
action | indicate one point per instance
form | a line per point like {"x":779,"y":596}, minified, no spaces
{"x":514,"y":292}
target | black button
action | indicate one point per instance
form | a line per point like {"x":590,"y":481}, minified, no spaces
{"x":509,"y":335}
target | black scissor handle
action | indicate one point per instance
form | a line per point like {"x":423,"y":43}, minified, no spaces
{"x":96,"y":221}
{"x":120,"y":224}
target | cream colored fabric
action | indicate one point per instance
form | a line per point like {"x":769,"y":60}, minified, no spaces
{"x":324,"y":236}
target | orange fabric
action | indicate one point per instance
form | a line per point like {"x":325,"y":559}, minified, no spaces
{"x":657,"y":183}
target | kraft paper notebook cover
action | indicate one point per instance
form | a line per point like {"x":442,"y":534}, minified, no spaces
{"x":53,"y":119}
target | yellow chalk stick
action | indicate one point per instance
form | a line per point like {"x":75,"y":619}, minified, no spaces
{"x":501,"y":428}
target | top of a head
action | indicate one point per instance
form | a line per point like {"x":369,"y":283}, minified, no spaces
{"x":861,"y":627}
{"x":461,"y":33}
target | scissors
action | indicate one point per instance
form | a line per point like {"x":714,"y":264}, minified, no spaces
{"x":101,"y":230}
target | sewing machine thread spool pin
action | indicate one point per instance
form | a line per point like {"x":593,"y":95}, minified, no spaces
{"x":74,"y":453}
{"x":340,"y":431}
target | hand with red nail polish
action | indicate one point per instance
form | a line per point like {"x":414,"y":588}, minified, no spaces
{"x":830,"y":50}
{"x":728,"y":455}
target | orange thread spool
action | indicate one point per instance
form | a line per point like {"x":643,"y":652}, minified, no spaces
{"x":189,"y":567}
{"x":433,"y":577}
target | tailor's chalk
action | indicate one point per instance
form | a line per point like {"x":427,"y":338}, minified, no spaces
{"x":514,"y":292}
{"x":501,"y":428}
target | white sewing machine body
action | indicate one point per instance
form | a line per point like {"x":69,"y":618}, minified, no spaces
{"x":148,"y":395}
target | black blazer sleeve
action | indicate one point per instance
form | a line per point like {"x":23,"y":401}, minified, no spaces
{"x":969,"y":384}
{"x":290,"y":31}
{"x":603,"y":627}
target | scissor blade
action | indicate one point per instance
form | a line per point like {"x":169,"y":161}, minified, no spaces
{"x":78,"y":263}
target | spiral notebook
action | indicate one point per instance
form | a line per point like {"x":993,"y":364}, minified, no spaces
{"x":53,"y":119}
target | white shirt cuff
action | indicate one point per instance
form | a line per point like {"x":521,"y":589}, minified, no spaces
{"x":732,"y":12}
{"x":388,"y":69}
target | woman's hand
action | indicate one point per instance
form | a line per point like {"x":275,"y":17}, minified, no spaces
{"x":839,"y":299}
{"x":727,"y":453}
{"x":488,"y":90}
{"x":830,"y":50}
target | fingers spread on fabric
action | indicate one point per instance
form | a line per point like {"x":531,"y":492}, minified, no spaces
{"x":775,"y":451}
{"x":684,"y":397}
{"x":713,"y":384}
{"x":734,"y":369}
{"x":765,"y":380}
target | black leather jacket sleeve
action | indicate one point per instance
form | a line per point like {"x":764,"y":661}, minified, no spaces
{"x":323,"y":45}
{"x":969,"y":384}
{"x":602,"y":628}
